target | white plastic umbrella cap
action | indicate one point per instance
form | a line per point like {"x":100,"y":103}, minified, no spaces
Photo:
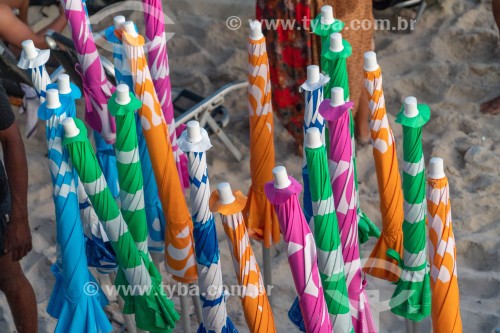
{"x":410,"y":108}
{"x":313,"y":138}
{"x":281,"y":180}
{"x":225,"y":194}
{"x":70,"y":128}
{"x":337,"y":97}
{"x":193,"y":131}
{"x":327,"y":15}
{"x":336,"y":42}
{"x":122,"y":94}
{"x":436,"y":168}
{"x":255,"y":30}
{"x":312,"y":74}
{"x":53,"y":99}
{"x":370,"y":61}
{"x":63,"y":84}
{"x":29,"y":49}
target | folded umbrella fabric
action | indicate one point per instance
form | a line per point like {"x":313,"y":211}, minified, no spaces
{"x":412,"y":296}
{"x":379,"y":264}
{"x":256,"y":307}
{"x":140,"y":290}
{"x":446,"y":316}
{"x":302,"y":256}
{"x":258,"y":213}
{"x":76,"y":310}
{"x":344,"y":197}
{"x":179,"y":251}
{"x":157,"y":57}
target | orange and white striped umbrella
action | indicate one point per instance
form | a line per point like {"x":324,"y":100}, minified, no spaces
{"x":256,"y":306}
{"x":179,"y":249}
{"x":258,"y":213}
{"x":379,"y":264}
{"x":442,"y":253}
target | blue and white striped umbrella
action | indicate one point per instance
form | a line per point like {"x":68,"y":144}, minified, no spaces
{"x":154,"y":211}
{"x":36,"y":69}
{"x":77,"y":309}
{"x":123,"y":75}
{"x":312,"y":118}
{"x":99,"y":252}
{"x":215,"y":318}
{"x":313,"y":97}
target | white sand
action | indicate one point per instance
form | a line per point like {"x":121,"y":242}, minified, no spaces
{"x":451,"y":62}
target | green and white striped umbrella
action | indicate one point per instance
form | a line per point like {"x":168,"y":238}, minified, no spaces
{"x":326,"y":233}
{"x":129,"y":169}
{"x":337,"y":70}
{"x":412,"y":296}
{"x":141,"y":292}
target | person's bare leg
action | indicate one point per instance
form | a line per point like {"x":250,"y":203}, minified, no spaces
{"x":361,"y":120}
{"x":493,"y":106}
{"x":19,"y":294}
{"x":22,"y":5}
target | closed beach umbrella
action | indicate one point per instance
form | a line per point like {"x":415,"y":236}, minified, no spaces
{"x":76,"y":310}
{"x":326,"y":235}
{"x":313,"y":91}
{"x":256,"y":306}
{"x":337,"y":54}
{"x":379,"y":264}
{"x":442,"y":253}
{"x":122,"y":106}
{"x":258,"y":213}
{"x":153,"y":311}
{"x":301,"y":250}
{"x":157,"y":57}
{"x":336,"y":111}
{"x":323,"y":26}
{"x":154,"y":211}
{"x":179,"y":252}
{"x":33,"y":60}
{"x":412,"y":296}
{"x":99,"y":252}
{"x":195,"y":143}
{"x":96,"y":87}
{"x":113,"y":36}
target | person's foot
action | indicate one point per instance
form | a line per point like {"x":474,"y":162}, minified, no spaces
{"x":491,"y":106}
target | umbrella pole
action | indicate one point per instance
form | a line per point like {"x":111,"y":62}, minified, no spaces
{"x":157,"y":257}
{"x":197,"y":305}
{"x":268,"y":277}
{"x":416,"y":327}
{"x":127,"y":318}
{"x":409,"y":326}
{"x":186,"y":324}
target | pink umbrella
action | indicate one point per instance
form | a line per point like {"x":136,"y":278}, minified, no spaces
{"x":96,"y":87}
{"x":158,"y":65}
{"x":301,"y":249}
{"x":336,"y":111}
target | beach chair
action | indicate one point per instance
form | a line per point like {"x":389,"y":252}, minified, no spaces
{"x":209,"y":111}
